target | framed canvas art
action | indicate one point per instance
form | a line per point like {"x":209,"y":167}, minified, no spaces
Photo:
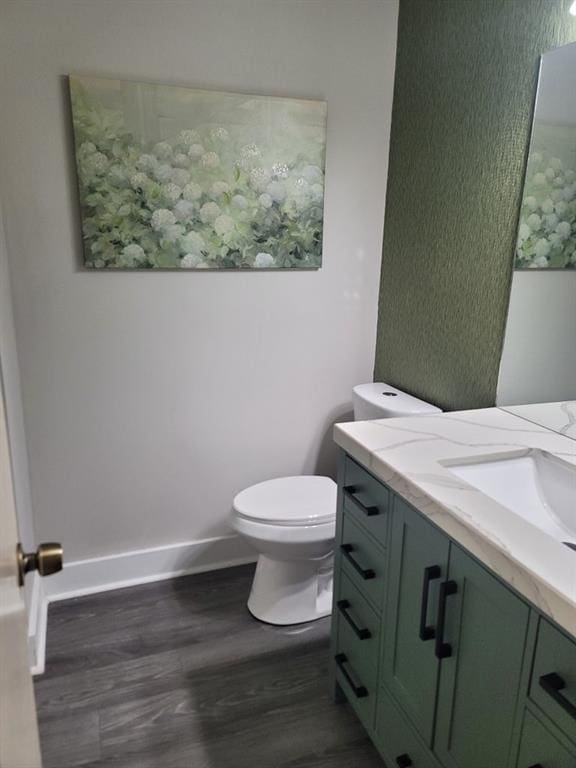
{"x":180,"y":178}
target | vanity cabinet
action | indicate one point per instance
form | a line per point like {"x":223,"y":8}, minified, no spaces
{"x":446,"y":666}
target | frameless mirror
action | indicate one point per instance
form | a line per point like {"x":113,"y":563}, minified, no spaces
{"x":539,"y":355}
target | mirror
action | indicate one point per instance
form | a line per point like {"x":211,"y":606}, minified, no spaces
{"x":539,"y":355}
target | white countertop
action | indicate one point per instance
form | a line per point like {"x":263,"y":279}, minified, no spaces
{"x":561,"y":417}
{"x":407,"y":454}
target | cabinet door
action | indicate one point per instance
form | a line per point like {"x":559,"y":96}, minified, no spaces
{"x":419,"y":561}
{"x":539,"y":747}
{"x":483,"y":643}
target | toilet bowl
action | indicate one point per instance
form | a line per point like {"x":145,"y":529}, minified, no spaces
{"x":291,"y":522}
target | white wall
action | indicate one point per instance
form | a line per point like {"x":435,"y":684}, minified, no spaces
{"x":539,"y":356}
{"x":151,"y":399}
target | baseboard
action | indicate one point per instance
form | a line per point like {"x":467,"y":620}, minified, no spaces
{"x":128,"y":569}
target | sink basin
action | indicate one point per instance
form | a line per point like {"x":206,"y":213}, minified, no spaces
{"x":537,"y":486}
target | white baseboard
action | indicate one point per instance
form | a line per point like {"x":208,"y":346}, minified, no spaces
{"x":127,"y":569}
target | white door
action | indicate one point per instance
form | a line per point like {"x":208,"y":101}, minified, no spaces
{"x":19,"y":746}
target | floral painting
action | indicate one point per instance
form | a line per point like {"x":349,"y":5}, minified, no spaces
{"x":547,"y":229}
{"x":179,"y":178}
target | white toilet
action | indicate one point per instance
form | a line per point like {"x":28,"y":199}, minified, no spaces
{"x":291,"y":523}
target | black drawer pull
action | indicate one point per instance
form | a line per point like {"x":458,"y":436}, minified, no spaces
{"x":443,"y":650}
{"x":553,"y":684}
{"x":359,"y":690}
{"x":366,"y":573}
{"x":361,"y":632}
{"x":404,"y":761}
{"x":350,"y":493}
{"x":538,"y":765}
{"x":430,"y":573}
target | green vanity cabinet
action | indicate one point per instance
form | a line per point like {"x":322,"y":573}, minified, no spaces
{"x":484,"y":638}
{"x":418,"y":564}
{"x":446,"y":666}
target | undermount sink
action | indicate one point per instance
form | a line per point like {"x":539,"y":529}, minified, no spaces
{"x":537,"y":486}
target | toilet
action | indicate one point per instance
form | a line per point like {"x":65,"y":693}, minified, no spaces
{"x":291,"y":523}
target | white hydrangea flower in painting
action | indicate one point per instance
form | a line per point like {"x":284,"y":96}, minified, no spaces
{"x":540,"y":262}
{"x":131,"y":255}
{"x":117,"y":176}
{"x":542,"y":248}
{"x":96,"y":164}
{"x":192,"y":191}
{"x":163,"y":173}
{"x":559,"y":182}
{"x":146,"y":163}
{"x":564,"y":229}
{"x":556,"y":195}
{"x":209,"y":212}
{"x":568,"y":193}
{"x":162,"y":150}
{"x":223,"y":225}
{"x":172,"y":233}
{"x":139,"y":180}
{"x":180,"y":160}
{"x":539,"y":179}
{"x":219,"y":188}
{"x":239,"y":201}
{"x":524,"y":232}
{"x":188,"y":137}
{"x":162,"y":218}
{"x":277,"y":191}
{"x":265,"y":200}
{"x":192,"y":242}
{"x":87,"y":148}
{"x":210,"y":160}
{"x":534,"y":221}
{"x":280,"y":170}
{"x":219,"y":134}
{"x":531,"y":203}
{"x":180,"y":177}
{"x":192,"y":261}
{"x":561,"y":208}
{"x":259,"y":179}
{"x":550,"y":221}
{"x":184,"y":210}
{"x":249,"y":156}
{"x":549,"y":173}
{"x":196,"y":151}
{"x":264,"y":260}
{"x":547,"y":206}
{"x":171,"y":192}
{"x":312,"y":173}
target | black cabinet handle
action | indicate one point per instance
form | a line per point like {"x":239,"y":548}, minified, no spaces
{"x":350,"y":493}
{"x":404,"y":761}
{"x":538,"y":765}
{"x":443,"y":650}
{"x":553,"y":684}
{"x":366,"y":573}
{"x":362,"y":633}
{"x":359,"y":690}
{"x":430,"y":573}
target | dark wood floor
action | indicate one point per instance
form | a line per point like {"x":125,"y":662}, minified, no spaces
{"x":178,"y":675}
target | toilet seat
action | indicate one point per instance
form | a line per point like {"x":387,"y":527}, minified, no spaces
{"x":303,"y":500}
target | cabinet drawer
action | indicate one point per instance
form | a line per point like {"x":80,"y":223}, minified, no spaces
{"x":396,"y":738}
{"x":538,"y":747}
{"x":359,"y":690}
{"x":358,"y":630}
{"x":553,"y":682}
{"x":367,"y":500}
{"x":363,"y":561}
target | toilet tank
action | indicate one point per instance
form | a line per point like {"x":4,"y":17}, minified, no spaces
{"x":381,"y":401}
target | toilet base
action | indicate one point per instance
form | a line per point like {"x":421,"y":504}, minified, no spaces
{"x":291,"y":591}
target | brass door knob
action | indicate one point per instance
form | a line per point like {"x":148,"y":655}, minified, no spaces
{"x":47,"y":559}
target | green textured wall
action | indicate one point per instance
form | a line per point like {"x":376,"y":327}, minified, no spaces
{"x":465,"y":82}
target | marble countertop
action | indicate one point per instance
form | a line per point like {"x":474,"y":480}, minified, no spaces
{"x":411,"y":455}
{"x":561,"y":417}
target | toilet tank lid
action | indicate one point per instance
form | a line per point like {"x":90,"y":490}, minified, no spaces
{"x":391,"y":399}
